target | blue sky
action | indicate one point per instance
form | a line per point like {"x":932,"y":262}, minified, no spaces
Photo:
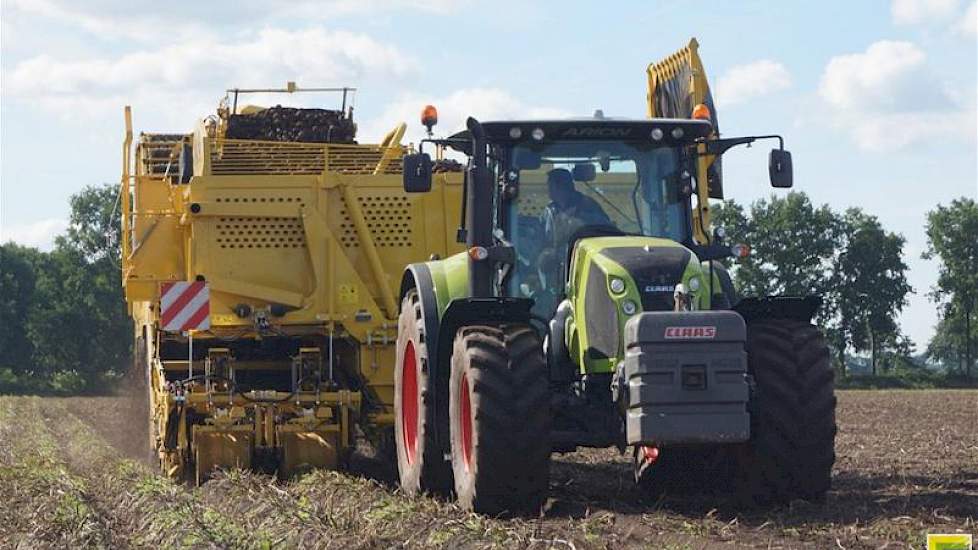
{"x":877,"y":99}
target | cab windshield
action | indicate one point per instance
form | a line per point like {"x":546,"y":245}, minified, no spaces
{"x":570,"y":190}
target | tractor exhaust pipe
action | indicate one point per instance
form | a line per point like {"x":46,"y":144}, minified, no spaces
{"x":478,"y":220}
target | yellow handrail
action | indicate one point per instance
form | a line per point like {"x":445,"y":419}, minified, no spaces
{"x":124,"y":191}
{"x":391,"y":144}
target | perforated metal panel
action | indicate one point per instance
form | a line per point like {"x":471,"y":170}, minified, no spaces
{"x":388,"y":218}
{"x":242,"y":232}
{"x":258,"y":197}
{"x":532,"y":200}
{"x":260,"y":233}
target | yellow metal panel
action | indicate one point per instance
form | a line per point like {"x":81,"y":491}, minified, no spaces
{"x":365,"y":235}
{"x":305,"y":450}
{"x":377,"y":366}
{"x":158,"y":252}
{"x":225,"y":448}
{"x":250,"y":290}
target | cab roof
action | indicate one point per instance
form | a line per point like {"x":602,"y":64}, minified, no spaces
{"x":674,"y":131}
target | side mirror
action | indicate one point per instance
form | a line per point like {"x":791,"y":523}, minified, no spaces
{"x":779,"y":168}
{"x":417,"y":173}
{"x":584,"y":171}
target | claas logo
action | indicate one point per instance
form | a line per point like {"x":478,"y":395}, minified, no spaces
{"x":691,"y":332}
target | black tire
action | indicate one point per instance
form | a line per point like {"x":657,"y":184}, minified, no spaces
{"x":421,"y":463}
{"x":499,"y":413}
{"x":792,"y":447}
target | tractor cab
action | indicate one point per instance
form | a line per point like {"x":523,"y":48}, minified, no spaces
{"x":560,"y":184}
{"x":546,"y":189}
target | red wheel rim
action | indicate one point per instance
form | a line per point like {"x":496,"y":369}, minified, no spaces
{"x":409,"y":402}
{"x":465,"y":419}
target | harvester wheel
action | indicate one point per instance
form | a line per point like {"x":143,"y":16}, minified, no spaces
{"x":792,"y":447}
{"x":499,"y":412}
{"x":421,"y":464}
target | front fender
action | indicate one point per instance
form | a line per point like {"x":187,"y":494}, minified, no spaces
{"x":801,"y":308}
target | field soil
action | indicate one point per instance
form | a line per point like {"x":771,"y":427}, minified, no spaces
{"x":73,"y":473}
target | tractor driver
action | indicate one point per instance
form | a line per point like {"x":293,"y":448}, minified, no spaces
{"x":569,"y":210}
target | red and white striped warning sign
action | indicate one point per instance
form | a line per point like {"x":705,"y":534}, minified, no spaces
{"x":185,"y":306}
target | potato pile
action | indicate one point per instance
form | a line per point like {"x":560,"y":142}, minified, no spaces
{"x":290,"y":124}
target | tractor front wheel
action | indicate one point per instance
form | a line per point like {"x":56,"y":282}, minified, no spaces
{"x":421,"y":462}
{"x":792,"y":446}
{"x":499,"y":412}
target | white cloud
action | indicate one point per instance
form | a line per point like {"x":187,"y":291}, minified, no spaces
{"x":133,"y":21}
{"x":170,"y":80}
{"x":907,"y":12}
{"x":453,"y":109}
{"x":968,"y":24}
{"x":319,"y":9}
{"x":745,"y":82}
{"x":887,"y":99}
{"x":886,"y":75}
{"x":39,"y":234}
{"x":101,"y":20}
{"x":896,"y":131}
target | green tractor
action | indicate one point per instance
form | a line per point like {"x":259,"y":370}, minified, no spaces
{"x":592,"y":309}
{"x":612,"y":327}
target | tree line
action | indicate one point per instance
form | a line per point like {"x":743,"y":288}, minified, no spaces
{"x":66,"y":328}
{"x":859,"y":269}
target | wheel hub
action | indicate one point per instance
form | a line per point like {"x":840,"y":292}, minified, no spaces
{"x":409,"y":402}
{"x":465,"y":419}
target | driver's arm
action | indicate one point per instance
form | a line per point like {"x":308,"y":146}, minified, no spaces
{"x":548,"y":223}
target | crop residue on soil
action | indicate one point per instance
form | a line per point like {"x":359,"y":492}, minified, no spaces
{"x":71,"y":475}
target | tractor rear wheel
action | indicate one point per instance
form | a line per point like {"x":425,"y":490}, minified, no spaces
{"x":792,"y":446}
{"x":499,"y":413}
{"x":421,"y":463}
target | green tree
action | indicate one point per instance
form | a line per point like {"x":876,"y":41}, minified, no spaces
{"x":95,"y":225}
{"x":948,"y":344}
{"x":870,"y":286}
{"x":793,"y":247}
{"x":17,"y":281}
{"x":67,"y":320}
{"x":849,"y":260}
{"x":952,"y":238}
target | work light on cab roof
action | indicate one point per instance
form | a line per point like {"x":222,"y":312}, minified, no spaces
{"x":429,"y":117}
{"x":701,"y":112}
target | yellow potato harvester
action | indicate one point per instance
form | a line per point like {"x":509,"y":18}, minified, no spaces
{"x":301,"y":246}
